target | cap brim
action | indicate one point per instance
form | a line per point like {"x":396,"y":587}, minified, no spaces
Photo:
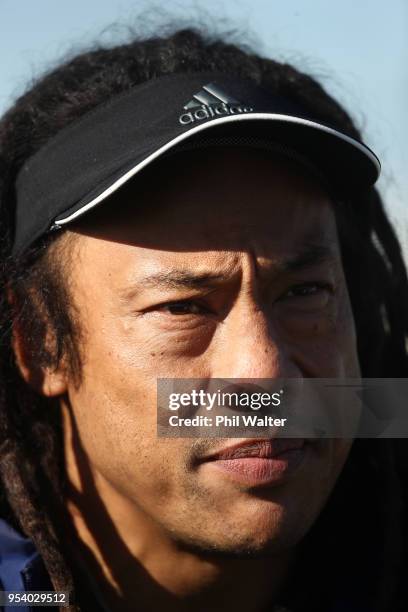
{"x":93,"y":156}
{"x":347,"y":164}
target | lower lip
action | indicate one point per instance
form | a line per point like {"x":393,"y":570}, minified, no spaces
{"x":257,"y":471}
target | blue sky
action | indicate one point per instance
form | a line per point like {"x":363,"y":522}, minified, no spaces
{"x":357,"y":49}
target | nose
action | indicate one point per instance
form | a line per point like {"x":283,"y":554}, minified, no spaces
{"x":250,"y":346}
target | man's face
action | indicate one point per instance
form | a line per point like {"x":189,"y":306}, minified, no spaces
{"x":219,"y":265}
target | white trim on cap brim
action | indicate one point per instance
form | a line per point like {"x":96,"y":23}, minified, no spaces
{"x":200,"y":128}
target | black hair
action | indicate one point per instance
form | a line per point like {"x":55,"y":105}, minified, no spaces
{"x":31,"y":455}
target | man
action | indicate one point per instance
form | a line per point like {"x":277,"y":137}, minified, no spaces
{"x":179,"y":208}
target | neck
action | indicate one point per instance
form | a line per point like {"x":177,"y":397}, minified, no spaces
{"x":137,"y":565}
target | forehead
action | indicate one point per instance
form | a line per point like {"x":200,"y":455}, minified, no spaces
{"x":229,"y":198}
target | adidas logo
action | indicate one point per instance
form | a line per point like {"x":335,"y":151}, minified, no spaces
{"x":211,"y":101}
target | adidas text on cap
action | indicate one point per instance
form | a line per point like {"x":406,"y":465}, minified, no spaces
{"x":92,"y":157}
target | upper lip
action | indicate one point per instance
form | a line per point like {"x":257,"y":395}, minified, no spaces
{"x":259,"y":447}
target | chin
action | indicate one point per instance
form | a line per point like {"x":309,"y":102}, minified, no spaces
{"x":261,"y":534}
{"x":244,"y":548}
{"x":270,"y":525}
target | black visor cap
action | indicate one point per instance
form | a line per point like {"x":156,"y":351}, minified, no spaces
{"x":90,"y":159}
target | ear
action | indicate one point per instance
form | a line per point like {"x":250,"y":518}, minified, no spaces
{"x":43,"y":379}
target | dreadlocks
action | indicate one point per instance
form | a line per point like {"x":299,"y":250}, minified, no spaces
{"x":31,"y":456}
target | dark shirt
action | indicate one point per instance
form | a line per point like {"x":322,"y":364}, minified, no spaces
{"x":21,"y":567}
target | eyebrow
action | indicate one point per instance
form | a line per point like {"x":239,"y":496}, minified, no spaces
{"x":174,"y":279}
{"x":309,"y":255}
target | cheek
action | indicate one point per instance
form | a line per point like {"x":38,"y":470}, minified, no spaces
{"x":318,"y":486}
{"x":347,"y":339}
{"x":118,"y":436}
{"x":114,"y":410}
{"x":330,"y":457}
{"x":324,"y":346}
{"x":116,"y":414}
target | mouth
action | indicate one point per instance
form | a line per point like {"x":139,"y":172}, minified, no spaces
{"x":260,"y":462}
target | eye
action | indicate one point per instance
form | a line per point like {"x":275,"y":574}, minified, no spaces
{"x":306,"y":290}
{"x":184,"y":307}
